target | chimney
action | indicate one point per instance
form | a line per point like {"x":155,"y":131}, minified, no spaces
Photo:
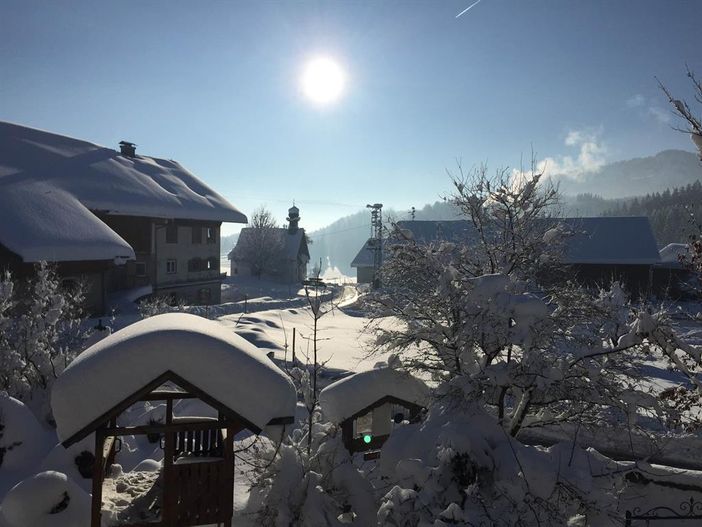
{"x":127,"y":149}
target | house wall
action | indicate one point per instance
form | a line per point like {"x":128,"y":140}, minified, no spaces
{"x":150,"y":238}
{"x":185,"y":284}
{"x":92,"y":273}
{"x":636,"y":278}
{"x":364,"y":275}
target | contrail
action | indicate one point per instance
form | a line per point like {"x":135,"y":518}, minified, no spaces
{"x":471,"y":6}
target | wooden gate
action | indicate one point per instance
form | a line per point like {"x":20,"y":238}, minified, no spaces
{"x":197,"y":487}
{"x":199,"y":476}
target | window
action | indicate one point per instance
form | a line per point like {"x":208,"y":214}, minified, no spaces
{"x":197,"y":235}
{"x":211,"y":235}
{"x":171,"y":266}
{"x":171,"y":233}
{"x":140,"y":269}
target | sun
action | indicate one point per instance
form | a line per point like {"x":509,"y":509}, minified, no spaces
{"x":322,"y":80}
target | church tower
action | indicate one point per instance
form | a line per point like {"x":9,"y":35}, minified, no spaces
{"x":293,"y":219}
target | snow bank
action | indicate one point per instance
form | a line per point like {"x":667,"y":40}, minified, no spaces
{"x":344,"y":398}
{"x":75,"y":462}
{"x":49,"y":499}
{"x":203,"y":352}
{"x":23,"y":442}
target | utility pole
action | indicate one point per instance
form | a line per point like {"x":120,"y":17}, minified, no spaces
{"x":376,"y":241}
{"x":412,"y":213}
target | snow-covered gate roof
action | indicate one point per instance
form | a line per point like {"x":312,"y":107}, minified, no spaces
{"x":220,"y":363}
{"x":345,"y":398}
{"x":42,"y":163}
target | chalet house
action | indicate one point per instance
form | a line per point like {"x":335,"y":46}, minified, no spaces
{"x":290,"y":265}
{"x":117,"y":220}
{"x":598,"y":250}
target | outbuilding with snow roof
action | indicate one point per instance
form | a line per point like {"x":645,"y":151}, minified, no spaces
{"x":169,"y":358}
{"x":370,"y":404}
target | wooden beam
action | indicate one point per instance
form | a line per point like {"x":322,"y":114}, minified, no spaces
{"x":167,"y":395}
{"x":116,"y":410}
{"x":165,"y":428}
{"x":98,"y":473}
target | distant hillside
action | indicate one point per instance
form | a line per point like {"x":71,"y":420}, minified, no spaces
{"x":637,"y":177}
{"x":674,"y":214}
{"x":228,"y":243}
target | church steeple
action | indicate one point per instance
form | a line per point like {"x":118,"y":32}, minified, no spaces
{"x":293,"y":219}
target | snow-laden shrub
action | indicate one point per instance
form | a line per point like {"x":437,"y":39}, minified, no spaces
{"x":319,"y":489}
{"x":49,"y":499}
{"x":459,"y":467}
{"x":40,"y":333}
{"x":307,"y":478}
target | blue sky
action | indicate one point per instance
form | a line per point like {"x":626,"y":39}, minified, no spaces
{"x":214,"y":85}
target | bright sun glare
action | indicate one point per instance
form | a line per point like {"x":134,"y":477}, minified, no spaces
{"x":323,"y":80}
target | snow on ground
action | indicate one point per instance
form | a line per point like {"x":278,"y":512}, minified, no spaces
{"x":49,"y":499}
{"x":342,"y":343}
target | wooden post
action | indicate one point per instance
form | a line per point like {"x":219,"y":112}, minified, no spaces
{"x":98,"y":472}
{"x":228,"y":487}
{"x":293,"y":348}
{"x":168,"y":506}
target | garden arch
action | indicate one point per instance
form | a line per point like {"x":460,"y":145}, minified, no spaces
{"x":369,"y":404}
{"x":170,"y":358}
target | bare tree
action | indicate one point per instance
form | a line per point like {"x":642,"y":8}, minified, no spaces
{"x":260,"y":244}
{"x":694,"y":127}
{"x":682,"y":108}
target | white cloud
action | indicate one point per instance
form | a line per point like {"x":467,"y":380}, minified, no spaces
{"x":660,"y":115}
{"x":591,"y":155}
{"x":636,"y":101}
{"x":648,"y":108}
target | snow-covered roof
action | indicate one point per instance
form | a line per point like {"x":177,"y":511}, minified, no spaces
{"x":610,"y":240}
{"x":602,"y":240}
{"x":60,"y":172}
{"x":346,"y":397}
{"x":40,"y":222}
{"x":364,"y":258}
{"x":292,"y":243}
{"x":203,"y":352}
